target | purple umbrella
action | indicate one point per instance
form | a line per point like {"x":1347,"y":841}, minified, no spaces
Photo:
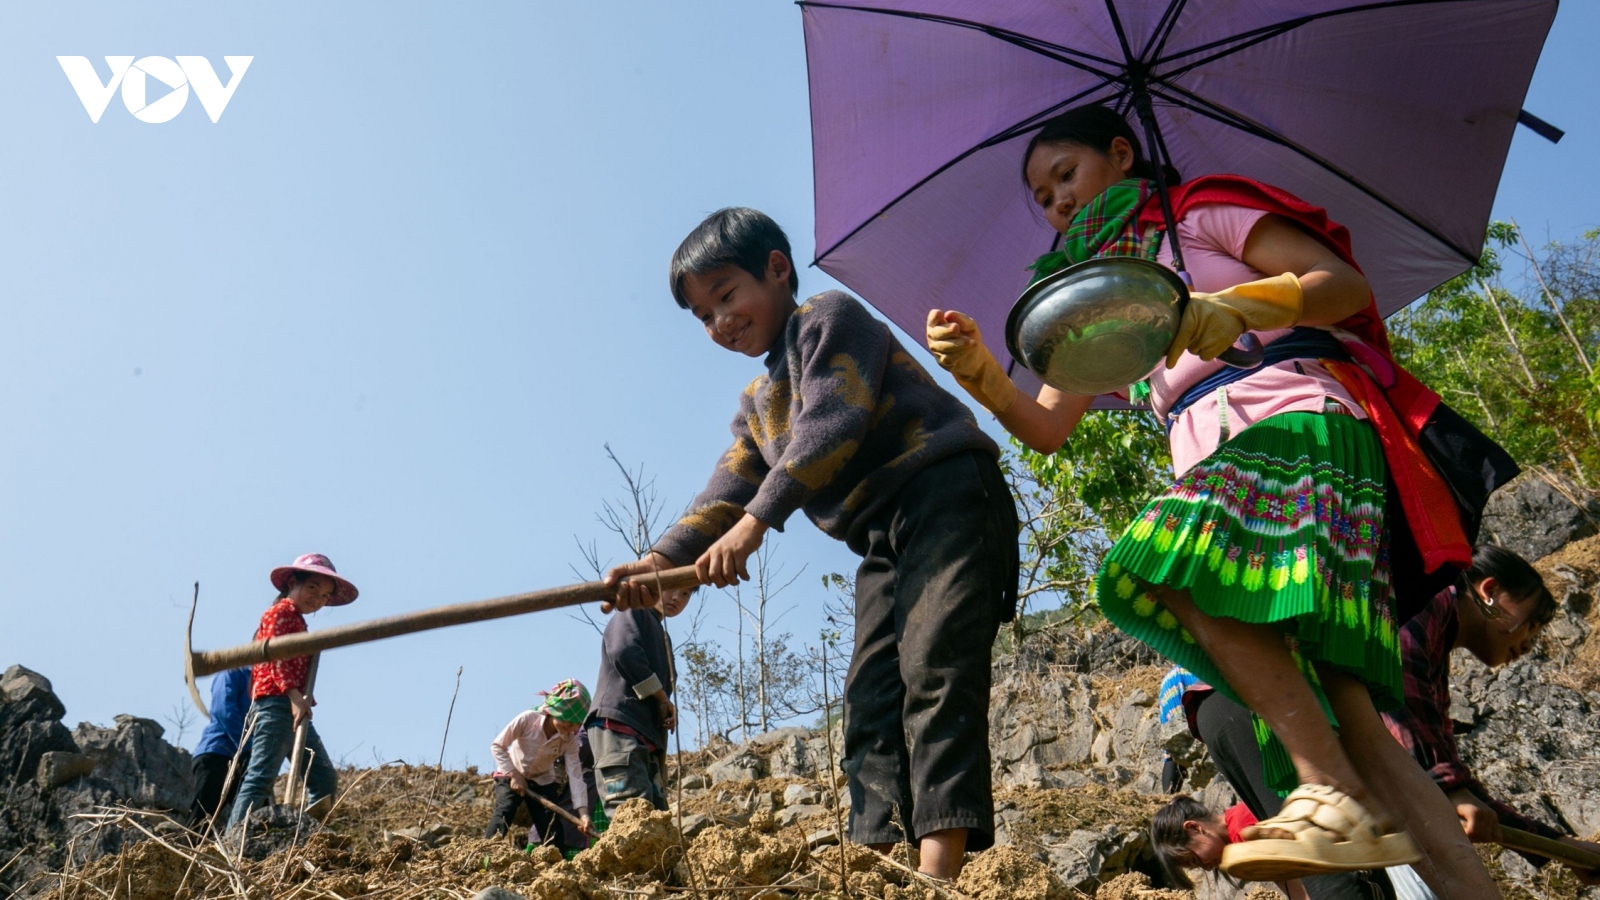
{"x":1396,"y":116}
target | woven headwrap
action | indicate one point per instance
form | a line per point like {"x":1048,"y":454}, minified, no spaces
{"x":1107,"y":226}
{"x":567,"y":702}
{"x":1104,"y":227}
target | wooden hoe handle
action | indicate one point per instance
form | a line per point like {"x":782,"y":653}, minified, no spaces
{"x":1576,"y":857}
{"x":208,"y":662}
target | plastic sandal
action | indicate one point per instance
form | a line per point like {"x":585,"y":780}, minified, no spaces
{"x":1331,"y":833}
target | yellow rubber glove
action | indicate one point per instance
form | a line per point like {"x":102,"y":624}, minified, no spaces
{"x":1212,"y":322}
{"x":958,"y":346}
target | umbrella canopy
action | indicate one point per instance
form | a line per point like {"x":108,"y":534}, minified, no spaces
{"x":1395,"y":116}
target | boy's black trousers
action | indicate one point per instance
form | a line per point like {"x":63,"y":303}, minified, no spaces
{"x":210,"y":774}
{"x":938,"y":574}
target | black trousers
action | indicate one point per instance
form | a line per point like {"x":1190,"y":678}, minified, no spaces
{"x":506,"y":802}
{"x":1230,"y":738}
{"x":210,"y":774}
{"x":937,"y":571}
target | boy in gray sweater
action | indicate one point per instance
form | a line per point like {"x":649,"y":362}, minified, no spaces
{"x":845,"y":426}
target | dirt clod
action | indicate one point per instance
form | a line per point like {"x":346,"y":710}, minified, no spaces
{"x":1136,"y":886}
{"x":641,"y":840}
{"x":1003,"y":873}
{"x":727,"y":857}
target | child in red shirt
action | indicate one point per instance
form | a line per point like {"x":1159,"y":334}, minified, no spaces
{"x":279,"y":699}
{"x":1188,"y":835}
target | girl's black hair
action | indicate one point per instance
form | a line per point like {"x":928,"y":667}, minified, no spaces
{"x":1095,"y":126}
{"x":1515,"y":575}
{"x":735,"y":236}
{"x":1171,"y":840}
{"x":296,"y":577}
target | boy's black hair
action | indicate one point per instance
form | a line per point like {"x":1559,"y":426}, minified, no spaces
{"x":1170,"y":839}
{"x":733,"y":236}
{"x":1095,"y":126}
{"x":1516,"y":575}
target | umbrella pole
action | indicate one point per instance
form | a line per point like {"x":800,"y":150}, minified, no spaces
{"x":1153,"y":146}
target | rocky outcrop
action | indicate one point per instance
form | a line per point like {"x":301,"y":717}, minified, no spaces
{"x":1538,"y":513}
{"x":53,"y":779}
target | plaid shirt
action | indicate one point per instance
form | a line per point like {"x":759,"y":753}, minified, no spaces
{"x":1423,"y":727}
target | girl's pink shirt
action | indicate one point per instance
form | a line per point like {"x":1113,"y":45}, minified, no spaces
{"x":1213,"y":237}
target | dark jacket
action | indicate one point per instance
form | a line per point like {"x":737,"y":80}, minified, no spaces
{"x":635,"y":662}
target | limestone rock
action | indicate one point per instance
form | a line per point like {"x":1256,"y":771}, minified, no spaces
{"x":57,"y":767}
{"x":743,"y":764}
{"x":1535,"y":517}
{"x":694,"y":823}
{"x":787,"y":753}
{"x":133,"y":762}
{"x":27,"y":695}
{"x":30,"y":724}
{"x":1086,"y":858}
{"x":799,"y":793}
{"x":800,"y":813}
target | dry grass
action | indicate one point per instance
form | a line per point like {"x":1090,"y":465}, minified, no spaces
{"x":1581,"y":671}
{"x":1118,"y":687}
{"x":1090,"y":807}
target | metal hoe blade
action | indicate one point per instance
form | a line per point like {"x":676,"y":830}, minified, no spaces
{"x":188,"y":656}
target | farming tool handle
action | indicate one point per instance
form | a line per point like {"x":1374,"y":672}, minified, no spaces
{"x":556,"y":808}
{"x":1576,"y":857}
{"x":297,"y":766}
{"x":209,"y":662}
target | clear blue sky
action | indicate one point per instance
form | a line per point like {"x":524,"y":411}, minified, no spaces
{"x":391,"y":308}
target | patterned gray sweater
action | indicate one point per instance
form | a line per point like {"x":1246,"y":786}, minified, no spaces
{"x":840,"y":421}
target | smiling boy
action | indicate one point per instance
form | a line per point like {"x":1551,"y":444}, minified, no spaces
{"x":845,"y":426}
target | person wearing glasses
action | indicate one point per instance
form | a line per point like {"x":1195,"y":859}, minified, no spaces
{"x":1496,"y":613}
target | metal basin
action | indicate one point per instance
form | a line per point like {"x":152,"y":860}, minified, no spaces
{"x":1104,"y":324}
{"x":1097,"y":326}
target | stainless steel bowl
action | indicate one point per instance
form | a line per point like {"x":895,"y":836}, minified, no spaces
{"x":1097,"y":326}
{"x":1103,"y":324}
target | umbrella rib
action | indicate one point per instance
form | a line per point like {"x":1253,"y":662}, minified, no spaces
{"x":1033,"y":121}
{"x":1122,"y":35}
{"x":1043,"y":48}
{"x":1243,"y":40}
{"x":1163,"y":31}
{"x":1002,"y":136}
{"x":1227,"y":117}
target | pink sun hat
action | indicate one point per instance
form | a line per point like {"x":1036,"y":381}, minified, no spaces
{"x":317,"y":564}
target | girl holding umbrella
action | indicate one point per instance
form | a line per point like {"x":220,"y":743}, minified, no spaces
{"x":1264,"y":568}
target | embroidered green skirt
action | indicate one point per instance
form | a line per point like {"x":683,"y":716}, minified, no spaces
{"x":1283,"y":524}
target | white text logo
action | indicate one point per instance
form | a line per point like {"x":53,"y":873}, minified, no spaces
{"x":134,"y":79}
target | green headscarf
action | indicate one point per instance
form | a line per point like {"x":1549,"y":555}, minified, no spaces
{"x":567,"y":702}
